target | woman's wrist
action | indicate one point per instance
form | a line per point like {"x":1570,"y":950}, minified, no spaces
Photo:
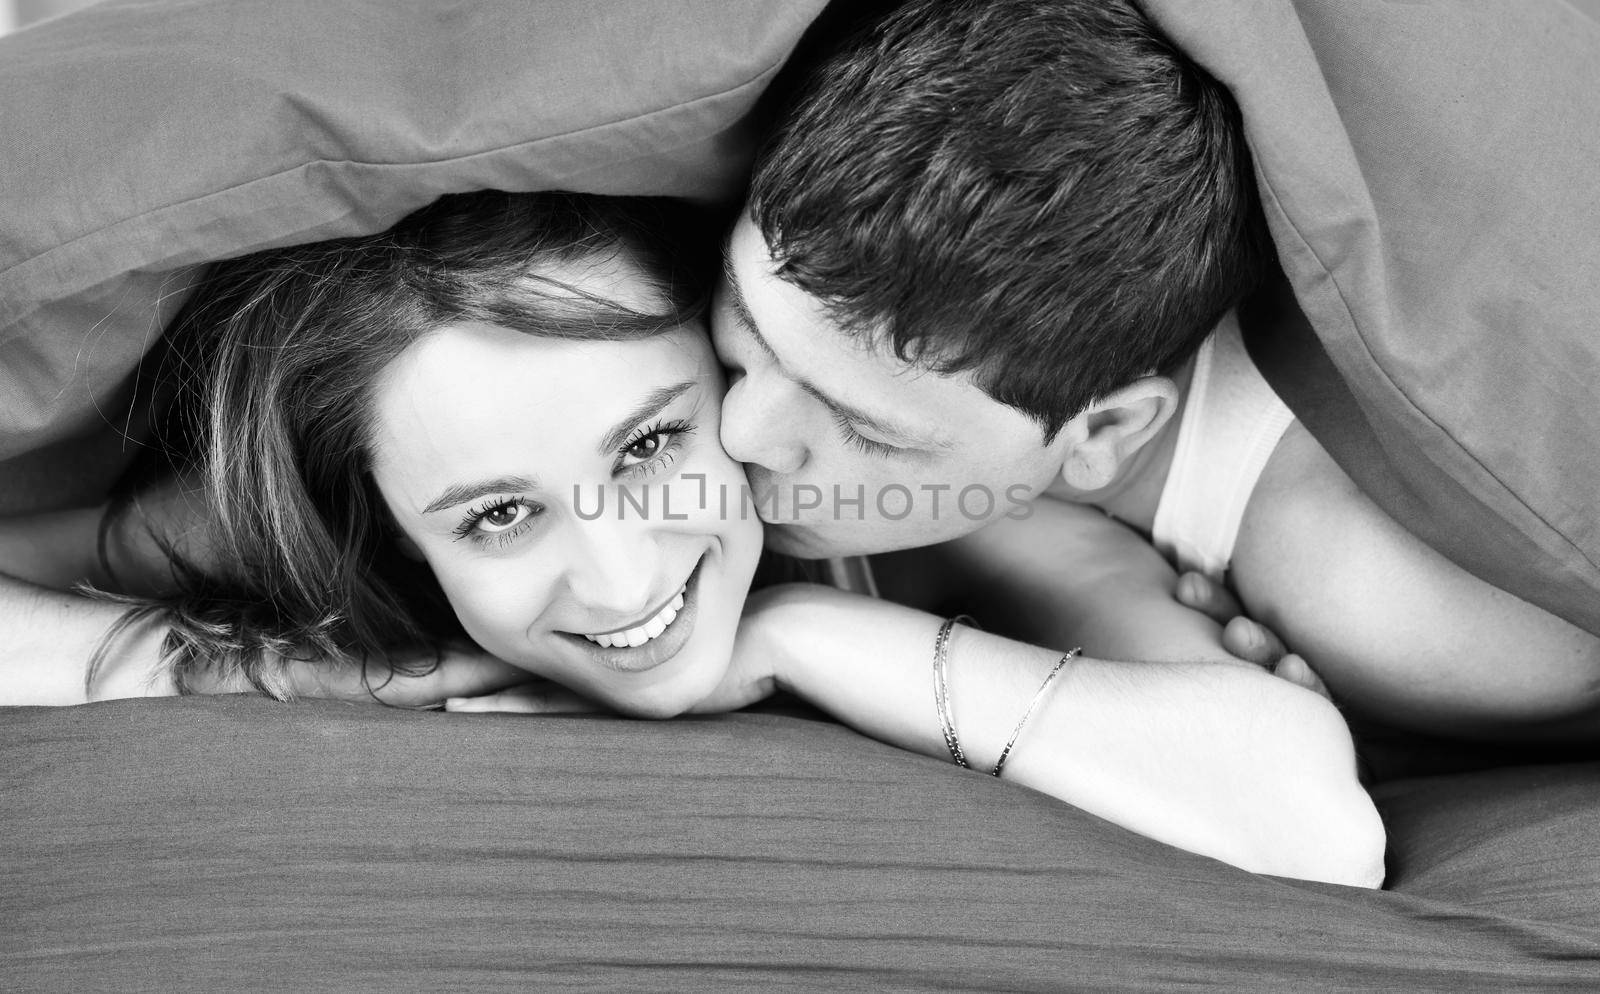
{"x":132,"y":663}
{"x":814,"y":638}
{"x":869,"y":663}
{"x":786,"y":648}
{"x":991,"y":682}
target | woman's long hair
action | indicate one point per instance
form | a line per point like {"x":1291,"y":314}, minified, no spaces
{"x":274,"y":359}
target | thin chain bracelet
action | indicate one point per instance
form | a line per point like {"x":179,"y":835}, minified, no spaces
{"x":1037,"y":695}
{"x":941,"y":693}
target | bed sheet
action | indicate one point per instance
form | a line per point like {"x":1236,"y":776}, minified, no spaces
{"x":206,"y":844}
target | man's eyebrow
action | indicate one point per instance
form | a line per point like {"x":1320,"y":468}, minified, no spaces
{"x":461,"y":493}
{"x":741,"y":311}
{"x":648,"y":408}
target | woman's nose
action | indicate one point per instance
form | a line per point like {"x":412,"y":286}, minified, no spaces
{"x":760,"y":427}
{"x":617,"y":566}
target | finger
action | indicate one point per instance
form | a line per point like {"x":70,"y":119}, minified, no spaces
{"x":335,"y":680}
{"x":1298,"y":672}
{"x":541,"y":698}
{"x":1252,"y":642}
{"x":469,"y":674}
{"x":1203,"y":594}
{"x":513,"y":701}
{"x":459,"y":674}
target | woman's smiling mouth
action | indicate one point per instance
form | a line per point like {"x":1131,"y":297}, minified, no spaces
{"x":637,"y":635}
{"x":646,"y":644}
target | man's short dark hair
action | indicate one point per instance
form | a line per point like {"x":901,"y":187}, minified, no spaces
{"x":1046,"y":192}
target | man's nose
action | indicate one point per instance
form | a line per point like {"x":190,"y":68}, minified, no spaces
{"x":760,"y":426}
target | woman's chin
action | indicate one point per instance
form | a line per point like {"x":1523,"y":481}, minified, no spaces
{"x":694,"y":673}
{"x":677,"y":686}
{"x":654,"y":709}
{"x":657,"y":703}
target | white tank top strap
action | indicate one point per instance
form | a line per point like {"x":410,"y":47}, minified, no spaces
{"x":1230,"y":425}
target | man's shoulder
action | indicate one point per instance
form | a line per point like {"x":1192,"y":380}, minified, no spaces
{"x":1303,"y":505}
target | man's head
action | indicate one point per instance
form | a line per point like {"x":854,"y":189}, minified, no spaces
{"x":976,"y":232}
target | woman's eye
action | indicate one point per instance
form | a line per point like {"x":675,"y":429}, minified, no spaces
{"x":502,"y":517}
{"x":500,"y":522}
{"x":646,"y":447}
{"x":653,"y":449}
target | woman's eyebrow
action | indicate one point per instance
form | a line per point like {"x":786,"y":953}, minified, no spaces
{"x":652,"y":405}
{"x":461,"y":493}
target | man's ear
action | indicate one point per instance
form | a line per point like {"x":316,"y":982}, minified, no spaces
{"x":1104,"y":436}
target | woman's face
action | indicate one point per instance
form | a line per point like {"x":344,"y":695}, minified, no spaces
{"x":573,"y":500}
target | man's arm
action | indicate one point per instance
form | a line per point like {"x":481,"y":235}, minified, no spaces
{"x":1065,"y":575}
{"x":1399,"y":633}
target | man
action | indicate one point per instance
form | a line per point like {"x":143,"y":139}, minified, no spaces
{"x":982,"y":250}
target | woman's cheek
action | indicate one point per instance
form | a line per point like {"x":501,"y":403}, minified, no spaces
{"x":496,"y":603}
{"x":725,"y":484}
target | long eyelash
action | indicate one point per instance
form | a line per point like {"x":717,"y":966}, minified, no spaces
{"x":469,"y":524}
{"x":860,"y":442}
{"x":676,"y":427}
{"x":676,"y":430}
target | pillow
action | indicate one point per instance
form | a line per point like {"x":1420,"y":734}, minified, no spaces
{"x":141,"y":137}
{"x":202,"y":844}
{"x":1429,"y":176}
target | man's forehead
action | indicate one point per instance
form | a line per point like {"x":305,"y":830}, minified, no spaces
{"x":750,"y":273}
{"x":846,"y":372}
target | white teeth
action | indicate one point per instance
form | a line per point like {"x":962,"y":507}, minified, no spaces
{"x":634,"y":637}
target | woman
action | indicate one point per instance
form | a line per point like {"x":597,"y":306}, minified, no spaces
{"x":496,"y":423}
{"x":441,"y":388}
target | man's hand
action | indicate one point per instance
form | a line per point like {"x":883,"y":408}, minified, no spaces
{"x":1245,"y":638}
